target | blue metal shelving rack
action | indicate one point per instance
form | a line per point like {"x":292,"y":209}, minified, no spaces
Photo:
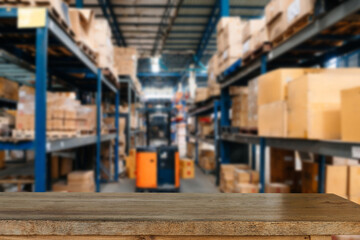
{"x":46,"y":36}
{"x":210,"y":108}
{"x":281,"y":57}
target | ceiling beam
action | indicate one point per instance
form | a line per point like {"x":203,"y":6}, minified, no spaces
{"x":196,"y":16}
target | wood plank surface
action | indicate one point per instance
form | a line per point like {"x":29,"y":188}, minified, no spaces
{"x":177,"y":214}
{"x":163,"y":238}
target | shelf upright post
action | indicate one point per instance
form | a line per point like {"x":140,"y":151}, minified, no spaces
{"x":128,"y":127}
{"x":262,"y":140}
{"x":225,"y":104}
{"x":116,"y":150}
{"x":224,"y":8}
{"x":98,"y":130}
{"x":321,"y":186}
{"x":42,"y":40}
{"x":216,"y":141}
{"x":79,"y":4}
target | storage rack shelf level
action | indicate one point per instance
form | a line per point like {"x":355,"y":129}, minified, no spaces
{"x":294,"y":53}
{"x":130,"y":94}
{"x":209,"y":109}
{"x":47,"y":66}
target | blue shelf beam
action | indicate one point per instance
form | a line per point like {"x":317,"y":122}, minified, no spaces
{"x":116,"y":150}
{"x":225,"y":8}
{"x":79,"y":3}
{"x":98,"y":132}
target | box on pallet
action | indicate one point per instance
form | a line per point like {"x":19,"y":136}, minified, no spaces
{"x":125,"y":60}
{"x":284,"y":14}
{"x":354,"y":180}
{"x":207,"y":159}
{"x":314,"y":103}
{"x":82,"y":23}
{"x":78,"y":181}
{"x":350,"y":115}
{"x":259,"y":38}
{"x":251,"y":27}
{"x":252,"y":104}
{"x":9,"y":89}
{"x":103,"y":44}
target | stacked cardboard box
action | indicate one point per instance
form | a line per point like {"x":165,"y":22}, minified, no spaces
{"x":239,"y":108}
{"x":314,"y":102}
{"x":246,"y":181}
{"x":353,"y":188}
{"x":250,"y":28}
{"x":350,"y":115}
{"x":227,"y":176}
{"x":283,"y":14}
{"x":310,"y":177}
{"x":102,"y":38}
{"x":207,"y":159}
{"x":229,"y":41}
{"x":187,"y":168}
{"x":126,"y":61}
{"x":78,"y":181}
{"x":213,"y":71}
{"x":64,"y":113}
{"x":9,"y":89}
{"x":82,"y":23}
{"x":201,"y":95}
{"x":252,"y":104}
{"x":131,"y":164}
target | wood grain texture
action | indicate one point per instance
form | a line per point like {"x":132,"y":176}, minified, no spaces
{"x":177,"y":214}
{"x":162,"y":238}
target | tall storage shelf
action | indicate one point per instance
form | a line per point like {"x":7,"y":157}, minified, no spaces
{"x":208,"y":109}
{"x":62,"y":67}
{"x":300,"y":46}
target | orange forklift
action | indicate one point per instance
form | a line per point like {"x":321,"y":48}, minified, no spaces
{"x":158,"y":163}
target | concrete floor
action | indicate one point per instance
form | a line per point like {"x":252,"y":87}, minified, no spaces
{"x":202,"y":183}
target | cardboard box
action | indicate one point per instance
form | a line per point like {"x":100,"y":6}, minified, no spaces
{"x":202,"y":94}
{"x":225,"y":21}
{"x":66,"y":166}
{"x":355,"y":199}
{"x":296,"y":10}
{"x":314,"y":104}
{"x":187,"y":169}
{"x":59,"y":186}
{"x":259,"y":38}
{"x":310,"y":177}
{"x":9,"y":89}
{"x":251,"y":27}
{"x":273,"y":10}
{"x":252,"y":104}
{"x":354,"y":180}
{"x":82,"y":21}
{"x":246,"y":176}
{"x":273,"y":85}
{"x":80,"y":177}
{"x":227,"y":172}
{"x":336,"y":180}
{"x":350,"y":115}
{"x":272,"y":119}
{"x":207,"y":159}
{"x":282,"y":166}
{"x":277,"y":188}
{"x":103,"y":43}
{"x":246,"y":188}
{"x":213,"y":68}
{"x":239,"y":108}
{"x":2,"y":159}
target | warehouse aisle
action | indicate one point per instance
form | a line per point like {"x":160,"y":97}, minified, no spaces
{"x":202,"y":183}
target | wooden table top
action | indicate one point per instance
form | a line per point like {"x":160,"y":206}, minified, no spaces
{"x":177,"y":214}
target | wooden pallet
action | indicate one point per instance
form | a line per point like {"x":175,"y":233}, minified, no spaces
{"x":92,"y":55}
{"x":109,"y":74}
{"x":293,"y":29}
{"x":55,"y":14}
{"x":264,"y":48}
